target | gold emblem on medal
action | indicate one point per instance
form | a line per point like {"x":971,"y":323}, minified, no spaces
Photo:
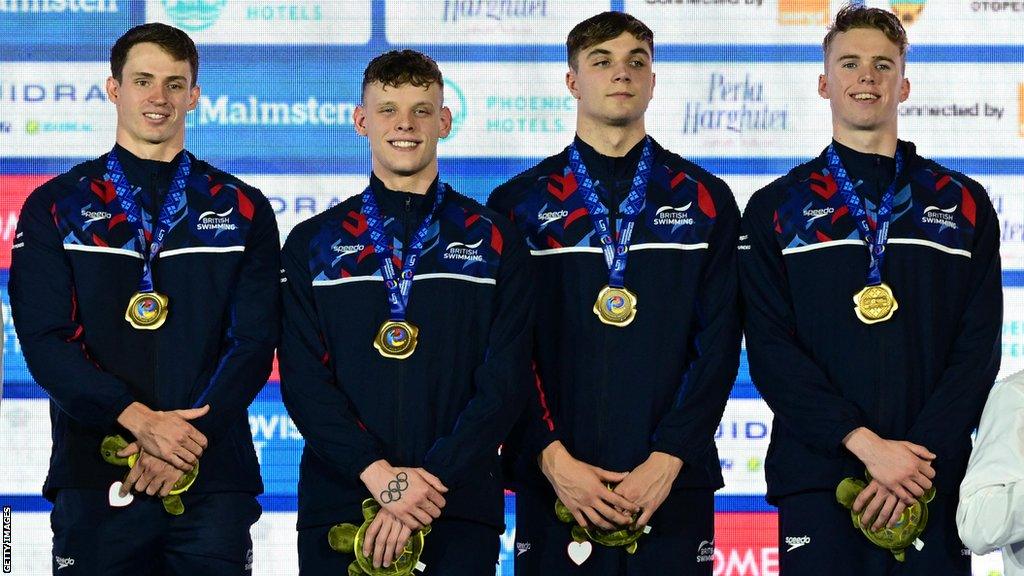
{"x":396,"y":339}
{"x":875,"y":304}
{"x":147,"y":310}
{"x":615,"y":306}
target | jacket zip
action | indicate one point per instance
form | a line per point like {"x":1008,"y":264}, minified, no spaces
{"x":154,"y":221}
{"x":404,"y":452}
{"x":602,"y":396}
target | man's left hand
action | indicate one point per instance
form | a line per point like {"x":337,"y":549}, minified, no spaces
{"x":649,"y":483}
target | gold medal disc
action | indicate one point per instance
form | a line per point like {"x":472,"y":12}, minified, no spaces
{"x":615,"y":306}
{"x":875,"y":304}
{"x":147,"y":310}
{"x":396,"y":339}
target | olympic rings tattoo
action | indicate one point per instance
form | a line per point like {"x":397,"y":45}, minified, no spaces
{"x":395,"y":488}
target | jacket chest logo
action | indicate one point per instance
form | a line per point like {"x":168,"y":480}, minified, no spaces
{"x":218,"y":221}
{"x":812,"y":214}
{"x":464,"y":252}
{"x":941,"y":217}
{"x":673,"y":215}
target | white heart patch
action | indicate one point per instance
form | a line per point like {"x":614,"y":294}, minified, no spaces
{"x":580,"y":551}
{"x":115,"y":498}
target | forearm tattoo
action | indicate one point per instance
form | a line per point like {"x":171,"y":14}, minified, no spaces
{"x":395,"y":488}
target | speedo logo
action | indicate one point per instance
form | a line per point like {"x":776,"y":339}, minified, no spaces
{"x":549,"y":217}
{"x":944,"y":217}
{"x":461,"y":251}
{"x":673,"y":215}
{"x":216,"y":221}
{"x":813,"y":214}
{"x":347,"y":249}
{"x":63,"y":563}
{"x":94,"y":215}
{"x":795,"y":542}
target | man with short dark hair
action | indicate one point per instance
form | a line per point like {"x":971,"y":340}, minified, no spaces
{"x":873,"y":309}
{"x":407,"y":335}
{"x":144,"y":290}
{"x":634,"y":358}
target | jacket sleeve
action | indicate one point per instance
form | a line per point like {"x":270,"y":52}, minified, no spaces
{"x":497,"y":400}
{"x":44,"y":310}
{"x":252,"y":333}
{"x":953,"y":409}
{"x":794,"y":386}
{"x":991,"y":511}
{"x":537,"y":424}
{"x":688,"y":429}
{"x":321,"y":411}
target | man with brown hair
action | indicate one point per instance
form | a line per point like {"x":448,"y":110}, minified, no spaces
{"x":872,"y":282}
{"x":144,"y":289}
{"x":407,"y":334}
{"x":634,"y":359}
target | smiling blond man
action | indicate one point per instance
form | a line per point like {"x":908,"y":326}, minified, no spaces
{"x":873,"y":304}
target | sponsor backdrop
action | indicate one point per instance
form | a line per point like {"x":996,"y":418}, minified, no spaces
{"x":280,"y":79}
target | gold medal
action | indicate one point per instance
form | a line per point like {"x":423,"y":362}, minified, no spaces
{"x":396,"y":339}
{"x":615,"y":306}
{"x":875,"y":304}
{"x":146,"y":310}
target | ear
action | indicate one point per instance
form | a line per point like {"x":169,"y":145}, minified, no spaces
{"x":823,"y":86}
{"x":113,"y":89}
{"x":905,"y":90}
{"x":446,"y":121}
{"x":359,"y":120}
{"x":654,"y":82}
{"x":570,"y":83}
{"x":193,"y":97}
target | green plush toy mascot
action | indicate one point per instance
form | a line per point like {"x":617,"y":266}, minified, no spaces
{"x":622,"y":537}
{"x":348,"y":539}
{"x":904,"y":534}
{"x":111,"y":445}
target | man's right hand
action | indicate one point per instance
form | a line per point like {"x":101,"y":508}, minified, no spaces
{"x":904,"y":468}
{"x":166,"y":435}
{"x":412,"y":495}
{"x":581,"y":487}
{"x":152,"y":476}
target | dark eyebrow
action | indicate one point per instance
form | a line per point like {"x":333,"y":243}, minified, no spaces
{"x":150,"y":76}
{"x":604,"y":52}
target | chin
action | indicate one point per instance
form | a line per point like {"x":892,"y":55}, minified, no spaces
{"x":407,"y":170}
{"x":619,"y":121}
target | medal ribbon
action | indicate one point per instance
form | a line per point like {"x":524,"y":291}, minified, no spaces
{"x":876,"y":238}
{"x":615,"y":253}
{"x":133,"y":212}
{"x":398,"y":288}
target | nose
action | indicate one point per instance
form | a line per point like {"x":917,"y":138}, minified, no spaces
{"x":405,"y":122}
{"x":622,"y":73}
{"x":867,"y":76}
{"x":157,"y":94}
